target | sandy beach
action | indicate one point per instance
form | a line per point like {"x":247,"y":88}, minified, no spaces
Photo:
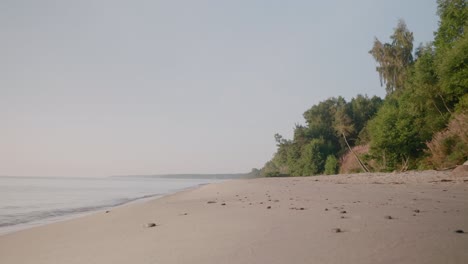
{"x":408,"y":217}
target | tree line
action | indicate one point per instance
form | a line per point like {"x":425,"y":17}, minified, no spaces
{"x":421,"y":123}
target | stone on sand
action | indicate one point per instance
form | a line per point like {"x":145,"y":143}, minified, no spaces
{"x":148,"y":225}
{"x":461,"y":170}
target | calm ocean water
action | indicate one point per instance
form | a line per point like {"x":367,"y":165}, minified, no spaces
{"x":32,"y":201}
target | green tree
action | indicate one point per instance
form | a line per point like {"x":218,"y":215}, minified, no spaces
{"x":424,"y":92}
{"x":312,"y":159}
{"x":344,"y":127}
{"x":395,"y":137}
{"x":295,"y":167}
{"x":452,"y":25}
{"x":394,"y":58}
{"x":331,"y":165}
{"x":270,"y":170}
{"x":383,"y":134}
{"x":453,"y":71}
{"x":451,"y":51}
{"x":363,"y":109}
{"x":424,"y":81}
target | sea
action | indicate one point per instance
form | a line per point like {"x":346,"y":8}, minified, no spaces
{"x":31,"y":201}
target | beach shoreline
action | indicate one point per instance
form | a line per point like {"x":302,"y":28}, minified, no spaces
{"x":410,"y":217}
{"x":99,"y":209}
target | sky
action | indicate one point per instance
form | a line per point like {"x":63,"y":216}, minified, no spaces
{"x":100,"y":88}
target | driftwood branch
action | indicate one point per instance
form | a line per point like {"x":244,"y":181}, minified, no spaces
{"x":355,"y":155}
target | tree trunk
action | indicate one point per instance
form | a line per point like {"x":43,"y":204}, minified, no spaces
{"x":404,"y":164}
{"x":443,"y":101}
{"x":355,"y":155}
{"x":440,"y":112}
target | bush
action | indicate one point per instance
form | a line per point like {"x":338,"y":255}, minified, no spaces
{"x":331,"y":165}
{"x":270,"y":170}
{"x":272,"y":174}
{"x":312,"y":159}
{"x":449,"y":147}
{"x":349,"y":164}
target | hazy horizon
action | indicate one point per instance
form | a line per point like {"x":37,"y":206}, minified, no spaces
{"x":101,"y":88}
{"x":176,"y":175}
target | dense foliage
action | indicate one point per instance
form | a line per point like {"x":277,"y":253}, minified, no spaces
{"x":332,"y":128}
{"x":426,"y":89}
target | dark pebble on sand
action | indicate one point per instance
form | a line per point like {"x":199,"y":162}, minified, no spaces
{"x":223,"y":204}
{"x":388,"y":217}
{"x":268,"y":207}
{"x":416,"y":211}
{"x":148,"y":225}
{"x":210,"y":202}
{"x":337,"y":230}
{"x":326,"y":209}
{"x":459,"y":231}
{"x":343,"y":212}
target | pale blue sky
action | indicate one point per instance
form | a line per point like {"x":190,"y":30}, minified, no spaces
{"x":97,"y":88}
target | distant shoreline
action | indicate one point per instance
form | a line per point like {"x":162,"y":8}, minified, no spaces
{"x":189,"y":176}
